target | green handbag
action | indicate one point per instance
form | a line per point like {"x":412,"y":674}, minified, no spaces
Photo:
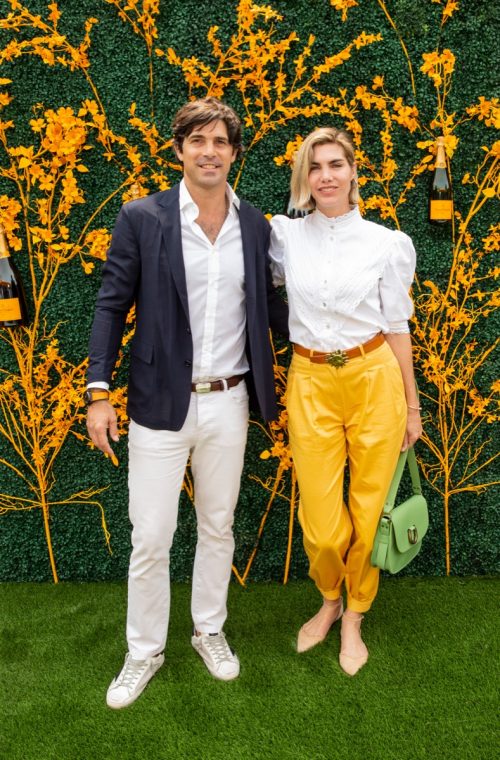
{"x":402,"y":528}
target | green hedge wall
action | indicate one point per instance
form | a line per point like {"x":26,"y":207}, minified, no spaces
{"x":119,"y":68}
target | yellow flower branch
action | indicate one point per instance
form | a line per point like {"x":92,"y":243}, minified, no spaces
{"x":277,"y":80}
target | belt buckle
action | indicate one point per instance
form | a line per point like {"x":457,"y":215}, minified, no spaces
{"x":337,"y":358}
{"x":203,"y":387}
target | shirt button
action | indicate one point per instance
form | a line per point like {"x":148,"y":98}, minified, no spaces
{"x":324,"y":305}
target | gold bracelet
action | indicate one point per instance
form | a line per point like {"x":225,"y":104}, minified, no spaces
{"x":416,"y":408}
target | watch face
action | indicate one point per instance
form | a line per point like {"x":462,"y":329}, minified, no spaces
{"x":87,"y":396}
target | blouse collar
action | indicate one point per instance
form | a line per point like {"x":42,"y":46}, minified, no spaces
{"x":337,"y":222}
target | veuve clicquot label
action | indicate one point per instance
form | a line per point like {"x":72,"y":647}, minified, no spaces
{"x":10,"y":309}
{"x":12,"y":301}
{"x":441,"y":210}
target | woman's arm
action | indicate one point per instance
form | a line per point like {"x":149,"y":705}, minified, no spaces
{"x":275,"y":275}
{"x":400,"y":344}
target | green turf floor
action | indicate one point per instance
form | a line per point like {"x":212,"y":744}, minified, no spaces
{"x":428,"y":691}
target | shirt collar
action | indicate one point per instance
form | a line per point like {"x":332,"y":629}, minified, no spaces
{"x":336,"y":221}
{"x":192,"y":211}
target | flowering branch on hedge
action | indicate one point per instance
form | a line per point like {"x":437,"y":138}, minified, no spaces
{"x":283,"y":483}
{"x":451,"y":358}
{"x":143,"y":22}
{"x":255,"y":64}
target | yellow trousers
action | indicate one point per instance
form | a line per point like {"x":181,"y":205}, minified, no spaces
{"x":354,"y":414}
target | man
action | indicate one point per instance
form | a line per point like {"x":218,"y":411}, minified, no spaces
{"x":194,"y":261}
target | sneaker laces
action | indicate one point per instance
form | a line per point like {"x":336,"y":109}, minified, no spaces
{"x":131,"y":672}
{"x":218,"y":647}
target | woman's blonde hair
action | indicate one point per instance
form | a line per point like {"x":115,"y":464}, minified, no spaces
{"x":300,"y":191}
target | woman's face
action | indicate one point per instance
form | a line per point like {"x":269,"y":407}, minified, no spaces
{"x":330,"y":179}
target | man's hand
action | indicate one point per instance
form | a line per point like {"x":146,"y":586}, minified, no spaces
{"x":101,"y":418}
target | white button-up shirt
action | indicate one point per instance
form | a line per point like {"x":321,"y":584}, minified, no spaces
{"x":347,"y":279}
{"x":215,"y":279}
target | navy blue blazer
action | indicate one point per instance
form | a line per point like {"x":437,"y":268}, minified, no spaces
{"x":145,"y":266}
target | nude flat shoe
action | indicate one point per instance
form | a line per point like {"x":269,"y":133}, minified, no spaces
{"x":353,"y":652}
{"x":307,"y":640}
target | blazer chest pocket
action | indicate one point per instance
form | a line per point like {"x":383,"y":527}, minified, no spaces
{"x":142,"y":351}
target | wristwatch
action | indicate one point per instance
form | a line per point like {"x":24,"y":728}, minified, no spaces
{"x":95,"y":394}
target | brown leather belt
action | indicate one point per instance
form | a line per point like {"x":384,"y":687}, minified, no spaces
{"x":216,"y":385}
{"x":339,"y":358}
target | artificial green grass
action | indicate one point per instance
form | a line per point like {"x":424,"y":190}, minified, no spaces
{"x":428,"y":691}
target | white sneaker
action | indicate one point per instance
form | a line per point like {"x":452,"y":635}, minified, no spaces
{"x":217,"y":655}
{"x":132,"y":680}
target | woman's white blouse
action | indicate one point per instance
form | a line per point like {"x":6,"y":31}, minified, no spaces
{"x":346,"y":278}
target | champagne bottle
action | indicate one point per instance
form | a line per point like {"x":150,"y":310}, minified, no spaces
{"x":441,"y":201}
{"x":12,"y":302}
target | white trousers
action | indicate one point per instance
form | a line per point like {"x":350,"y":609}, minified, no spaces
{"x":214,"y":434}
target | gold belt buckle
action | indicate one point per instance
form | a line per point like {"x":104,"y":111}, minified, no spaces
{"x":203,"y":387}
{"x":337,"y":358}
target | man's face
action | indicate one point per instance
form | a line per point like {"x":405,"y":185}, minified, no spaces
{"x":207,"y":156}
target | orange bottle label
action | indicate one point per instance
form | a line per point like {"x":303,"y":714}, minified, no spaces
{"x":10,"y":309}
{"x":441,"y":209}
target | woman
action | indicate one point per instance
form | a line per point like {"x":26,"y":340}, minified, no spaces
{"x":351,"y":391}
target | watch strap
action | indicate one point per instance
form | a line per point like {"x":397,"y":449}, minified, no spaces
{"x":96,"y":394}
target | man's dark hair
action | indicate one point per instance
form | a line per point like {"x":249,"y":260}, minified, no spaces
{"x":199,"y":113}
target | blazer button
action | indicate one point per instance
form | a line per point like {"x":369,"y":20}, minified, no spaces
{"x":188,"y":330}
{"x":187,"y":363}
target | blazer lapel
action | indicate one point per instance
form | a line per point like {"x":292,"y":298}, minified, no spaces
{"x":249,"y":242}
{"x":169,"y":216}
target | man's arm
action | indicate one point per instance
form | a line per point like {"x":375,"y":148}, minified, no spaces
{"x":101,"y":422}
{"x":120,"y":275}
{"x":116,"y":296}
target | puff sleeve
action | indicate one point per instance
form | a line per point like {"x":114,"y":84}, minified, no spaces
{"x":277,"y":248}
{"x":396,"y":304}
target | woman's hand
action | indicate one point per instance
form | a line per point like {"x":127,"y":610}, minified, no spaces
{"x":413,"y":429}
{"x":401,"y":347}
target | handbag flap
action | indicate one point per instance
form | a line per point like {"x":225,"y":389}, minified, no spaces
{"x":410,"y":521}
